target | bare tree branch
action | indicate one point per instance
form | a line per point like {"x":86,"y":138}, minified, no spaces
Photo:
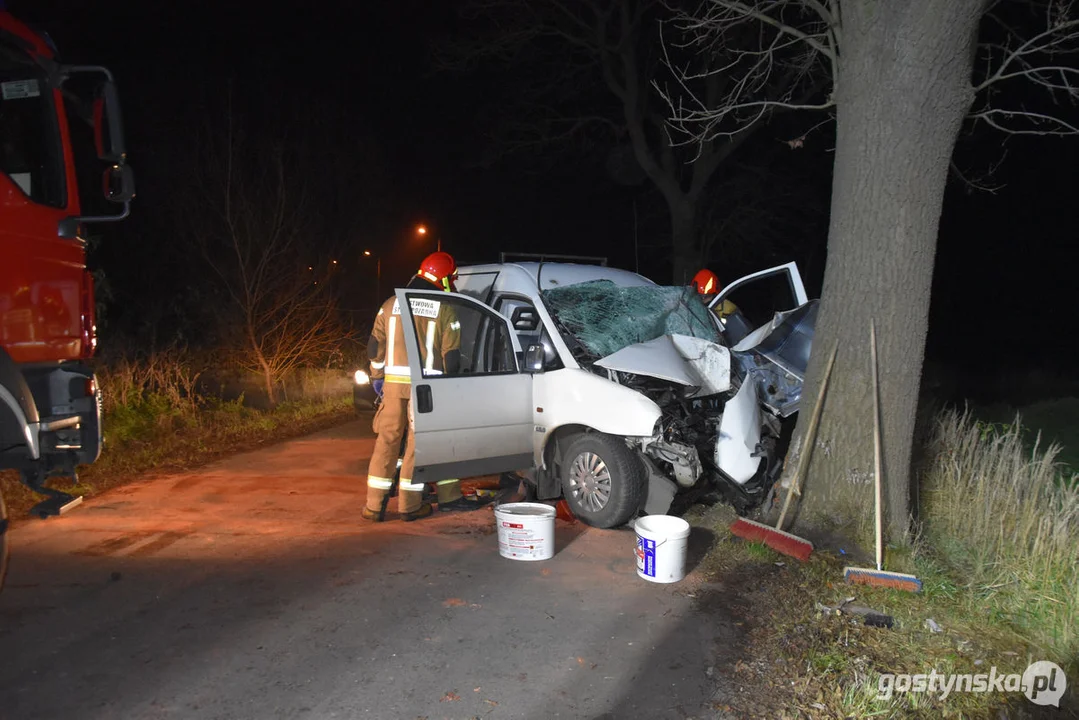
{"x":767,"y":70}
{"x":977,"y":183}
{"x":793,"y":36}
{"x":1039,"y":60}
{"x":1041,"y":123}
{"x":738,"y":11}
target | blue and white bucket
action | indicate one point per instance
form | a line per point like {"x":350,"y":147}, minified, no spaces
{"x":661,"y":548}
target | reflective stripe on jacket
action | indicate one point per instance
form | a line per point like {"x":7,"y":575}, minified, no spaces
{"x":437,"y":329}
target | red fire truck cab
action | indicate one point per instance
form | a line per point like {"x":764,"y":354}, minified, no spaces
{"x":50,"y":406}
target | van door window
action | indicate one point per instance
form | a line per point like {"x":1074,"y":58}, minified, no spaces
{"x":529,"y":327}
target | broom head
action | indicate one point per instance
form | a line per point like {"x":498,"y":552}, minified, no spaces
{"x":882,"y":578}
{"x":782,"y":542}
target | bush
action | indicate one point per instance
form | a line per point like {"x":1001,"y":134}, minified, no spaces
{"x":1006,"y":518}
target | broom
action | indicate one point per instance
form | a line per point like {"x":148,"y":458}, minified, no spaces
{"x":869,"y":576}
{"x":776,"y":538}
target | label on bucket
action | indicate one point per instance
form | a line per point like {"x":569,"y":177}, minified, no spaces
{"x":646,"y":556}
{"x":525,"y":532}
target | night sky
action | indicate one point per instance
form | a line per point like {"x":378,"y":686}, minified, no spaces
{"x":1004,"y":286}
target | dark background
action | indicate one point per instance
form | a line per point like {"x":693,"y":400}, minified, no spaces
{"x":1004,"y":288}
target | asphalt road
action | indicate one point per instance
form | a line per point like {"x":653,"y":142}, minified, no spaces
{"x":253,"y":589}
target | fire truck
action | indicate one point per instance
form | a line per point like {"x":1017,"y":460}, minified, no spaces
{"x":50,"y":405}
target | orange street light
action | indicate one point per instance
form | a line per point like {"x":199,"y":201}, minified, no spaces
{"x":421,"y":230}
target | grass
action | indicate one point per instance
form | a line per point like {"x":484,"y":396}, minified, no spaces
{"x":998,"y":555}
{"x":1007,"y":519}
{"x":157,"y":423}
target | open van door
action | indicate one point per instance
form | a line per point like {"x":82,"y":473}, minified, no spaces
{"x":477,"y":421}
{"x":752,"y":301}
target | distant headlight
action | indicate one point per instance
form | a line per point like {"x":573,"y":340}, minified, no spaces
{"x":361,"y":378}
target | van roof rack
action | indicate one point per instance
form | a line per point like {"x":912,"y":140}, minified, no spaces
{"x":505,"y":257}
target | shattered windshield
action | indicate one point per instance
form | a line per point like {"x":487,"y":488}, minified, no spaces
{"x":606,"y":318}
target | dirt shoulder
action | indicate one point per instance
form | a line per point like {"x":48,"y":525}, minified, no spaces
{"x":803,"y":647}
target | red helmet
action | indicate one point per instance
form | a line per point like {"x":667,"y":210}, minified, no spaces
{"x":706,"y":282}
{"x":439,"y":269}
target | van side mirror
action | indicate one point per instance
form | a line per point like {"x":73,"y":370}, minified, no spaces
{"x":524,"y":319}
{"x":534,"y":359}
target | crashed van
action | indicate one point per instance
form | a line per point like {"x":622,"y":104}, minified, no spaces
{"x":600,"y":386}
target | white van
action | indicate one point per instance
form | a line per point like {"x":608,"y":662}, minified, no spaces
{"x":601,"y":386}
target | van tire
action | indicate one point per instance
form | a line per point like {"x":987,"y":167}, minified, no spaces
{"x":603,"y":480}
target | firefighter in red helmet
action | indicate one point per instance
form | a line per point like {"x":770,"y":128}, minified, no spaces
{"x":707,"y":284}
{"x":440,"y":348}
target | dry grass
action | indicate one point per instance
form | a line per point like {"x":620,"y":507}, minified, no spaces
{"x":173,"y":374}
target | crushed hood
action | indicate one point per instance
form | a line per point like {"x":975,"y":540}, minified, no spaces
{"x":785,"y":344}
{"x":690,"y":361}
{"x":786,"y":340}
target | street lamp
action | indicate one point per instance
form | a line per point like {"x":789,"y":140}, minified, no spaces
{"x":378,"y":276}
{"x":421,"y":230}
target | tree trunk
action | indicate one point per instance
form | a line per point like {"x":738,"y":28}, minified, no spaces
{"x":263,"y":364}
{"x":902,"y":91}
{"x":267,"y":381}
{"x":684,"y":255}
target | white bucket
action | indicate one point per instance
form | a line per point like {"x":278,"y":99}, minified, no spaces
{"x":661,"y":548}
{"x":525,"y":531}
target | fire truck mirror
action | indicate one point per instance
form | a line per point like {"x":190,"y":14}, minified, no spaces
{"x":119,"y":183}
{"x":108,"y":127}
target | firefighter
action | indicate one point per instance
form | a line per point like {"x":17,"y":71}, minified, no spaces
{"x":439,"y":333}
{"x":707,"y":284}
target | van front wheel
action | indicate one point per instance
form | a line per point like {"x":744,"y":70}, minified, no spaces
{"x":603,"y":481}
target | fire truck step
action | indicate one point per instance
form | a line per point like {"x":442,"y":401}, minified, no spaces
{"x":56,"y":505}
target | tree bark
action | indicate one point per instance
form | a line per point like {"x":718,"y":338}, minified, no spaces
{"x":684,"y":254}
{"x":903,"y":88}
{"x":267,"y":380}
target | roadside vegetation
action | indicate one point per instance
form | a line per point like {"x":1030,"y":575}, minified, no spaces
{"x":998,"y":555}
{"x":162,"y":414}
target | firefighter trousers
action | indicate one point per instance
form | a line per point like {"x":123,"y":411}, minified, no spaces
{"x":393,"y":421}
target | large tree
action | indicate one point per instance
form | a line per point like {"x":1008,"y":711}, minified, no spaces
{"x":595,"y":72}
{"x":904,"y":74}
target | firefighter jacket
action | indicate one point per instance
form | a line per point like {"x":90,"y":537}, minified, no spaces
{"x":724,"y":308}
{"x":437,"y":330}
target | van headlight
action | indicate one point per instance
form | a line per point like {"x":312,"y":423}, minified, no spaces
{"x":361,"y":378}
